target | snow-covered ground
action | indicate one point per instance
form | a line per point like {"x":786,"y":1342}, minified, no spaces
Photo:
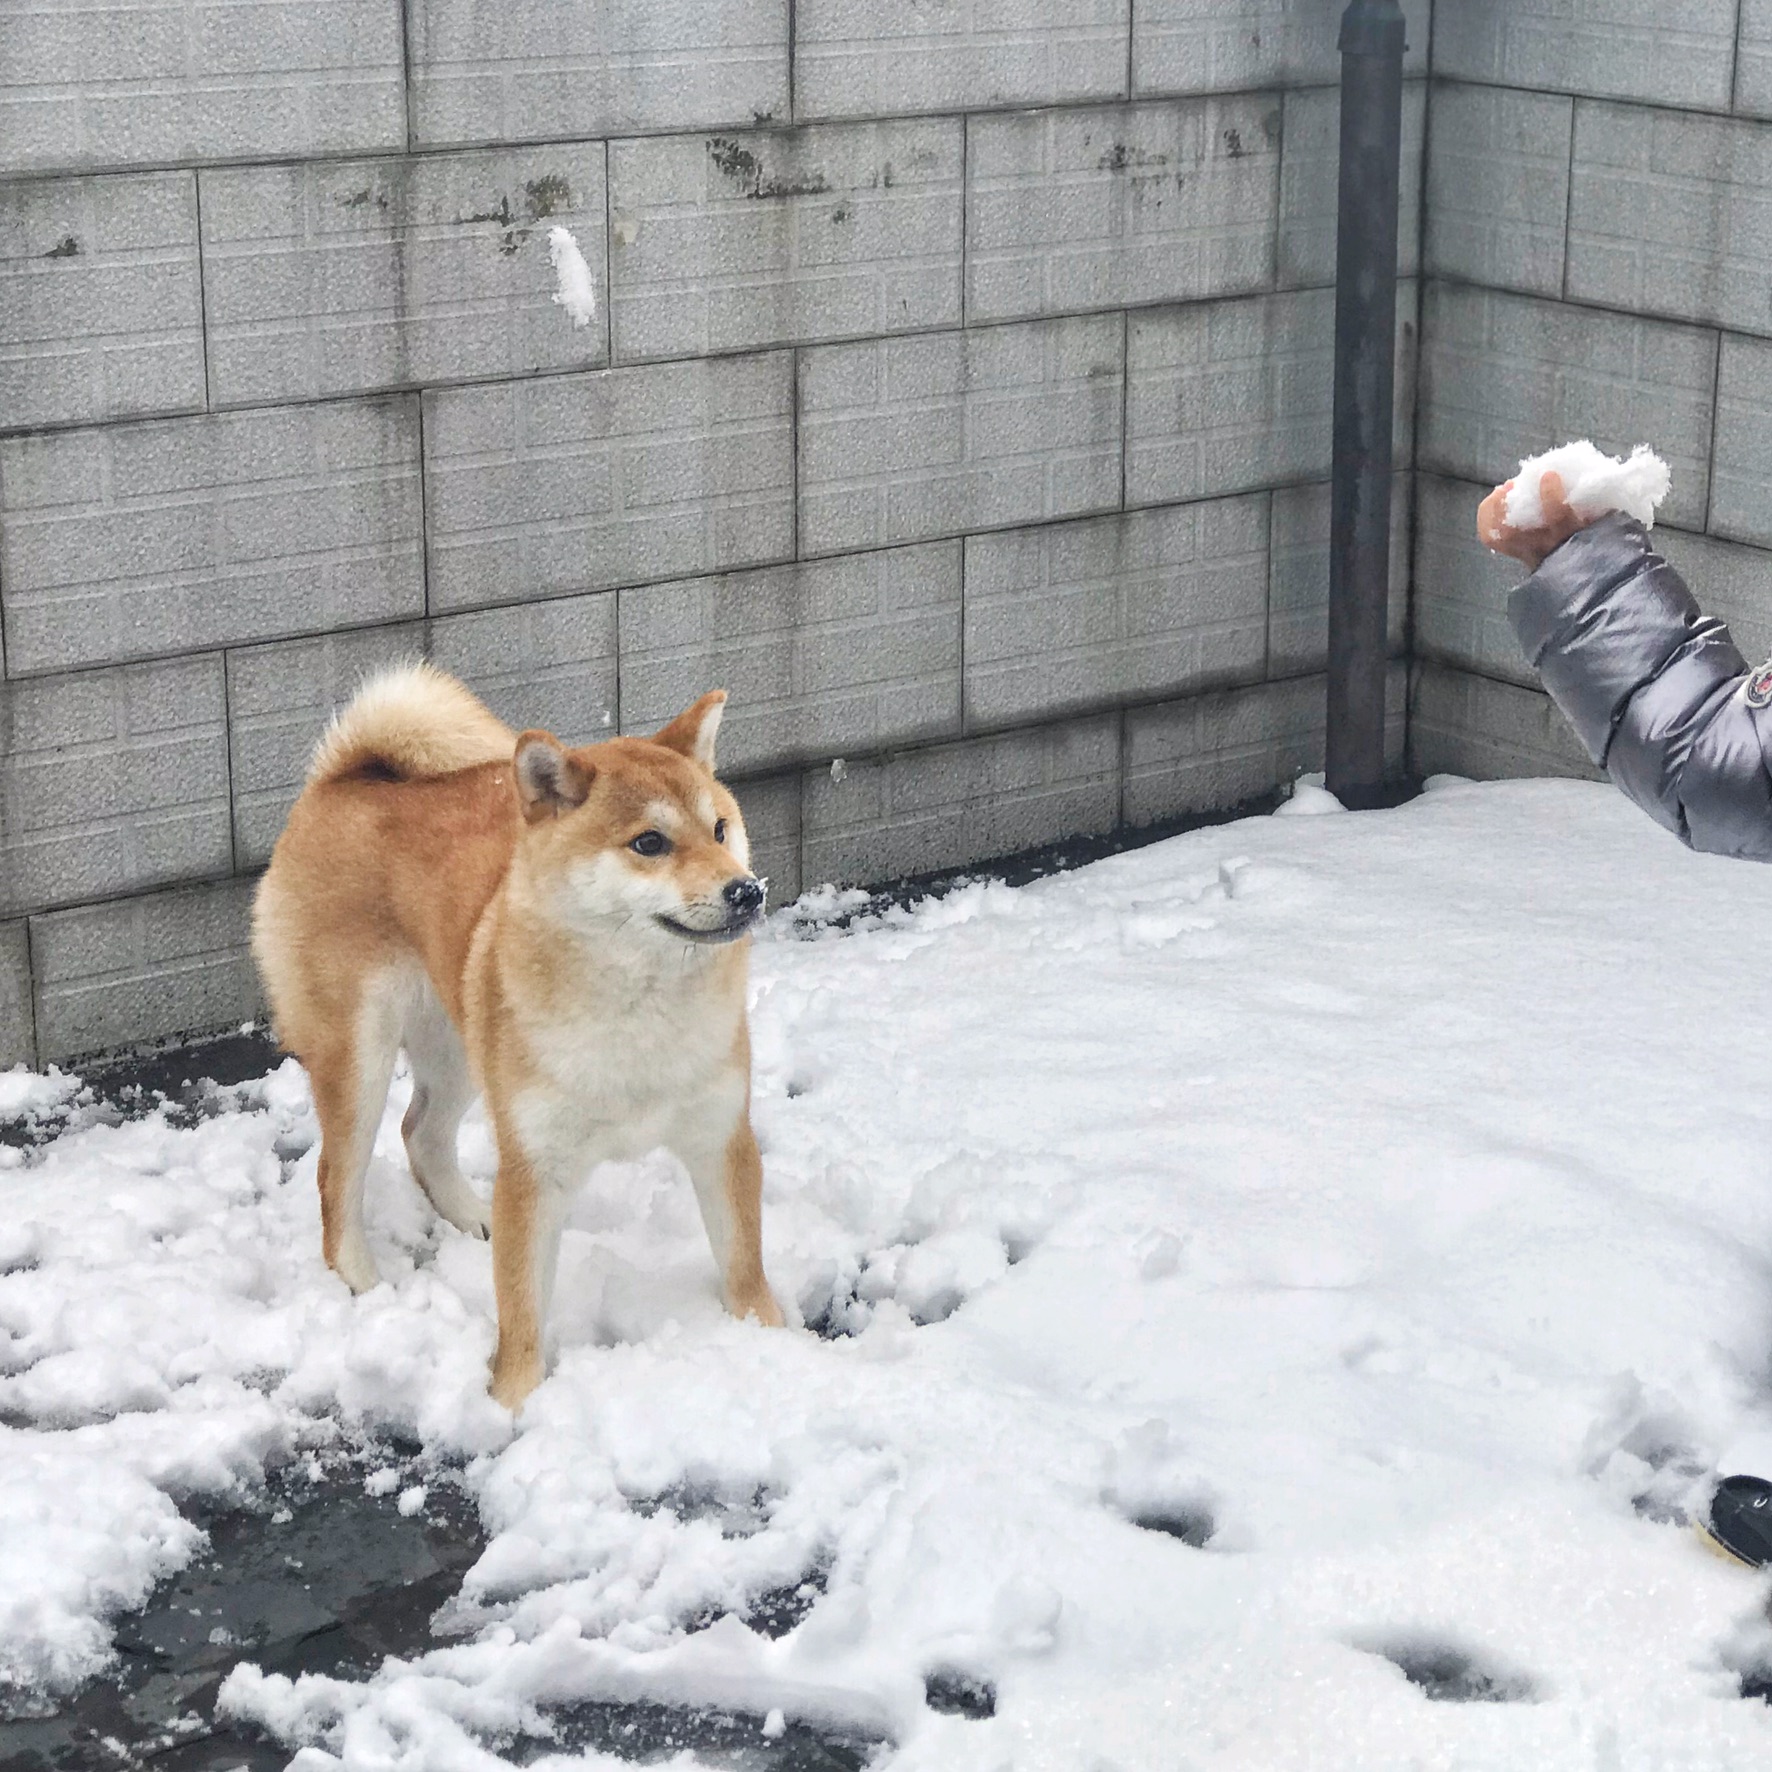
{"x":1389,"y":1194}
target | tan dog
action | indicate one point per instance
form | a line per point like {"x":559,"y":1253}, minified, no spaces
{"x":563,"y":930}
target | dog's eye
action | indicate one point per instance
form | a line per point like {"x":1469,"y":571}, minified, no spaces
{"x":719,"y":830}
{"x":650,"y":843}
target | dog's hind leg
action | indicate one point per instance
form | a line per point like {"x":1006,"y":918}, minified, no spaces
{"x":442,"y":1088}
{"x":349,"y":1074}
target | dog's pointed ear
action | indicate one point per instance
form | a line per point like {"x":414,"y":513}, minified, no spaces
{"x":693,"y":731}
{"x":550,"y":780}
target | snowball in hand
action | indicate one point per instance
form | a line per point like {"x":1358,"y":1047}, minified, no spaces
{"x":1593,"y":483}
{"x":577,"y":290}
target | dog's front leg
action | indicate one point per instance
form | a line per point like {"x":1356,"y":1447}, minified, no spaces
{"x":528,"y":1214}
{"x":728,"y":1177}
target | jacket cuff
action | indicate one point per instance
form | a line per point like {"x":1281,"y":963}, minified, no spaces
{"x":1602,"y":616}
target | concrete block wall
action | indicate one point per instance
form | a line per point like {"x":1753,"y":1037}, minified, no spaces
{"x":958,"y":397}
{"x":1596,"y":261}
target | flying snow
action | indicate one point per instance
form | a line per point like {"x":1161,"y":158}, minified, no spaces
{"x":577,"y":289}
{"x":1256,"y":1290}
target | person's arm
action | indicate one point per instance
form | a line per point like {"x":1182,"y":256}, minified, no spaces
{"x":1655,"y":690}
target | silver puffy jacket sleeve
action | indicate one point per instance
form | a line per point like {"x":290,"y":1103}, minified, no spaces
{"x":1653,"y":688}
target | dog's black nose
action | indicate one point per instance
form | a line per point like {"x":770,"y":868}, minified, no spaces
{"x":743,"y":896}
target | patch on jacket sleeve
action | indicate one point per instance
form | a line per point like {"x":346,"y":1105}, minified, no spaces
{"x":1757,"y":690}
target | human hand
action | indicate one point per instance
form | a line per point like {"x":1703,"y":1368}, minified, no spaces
{"x":1529,"y":546}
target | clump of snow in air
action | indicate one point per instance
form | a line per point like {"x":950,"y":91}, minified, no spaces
{"x":1593,"y":483}
{"x":576,"y":289}
{"x":1247,"y":1272}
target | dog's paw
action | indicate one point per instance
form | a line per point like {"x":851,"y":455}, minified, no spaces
{"x":512,"y":1383}
{"x":356,"y":1267}
{"x":476,"y":1223}
{"x":758,"y":1302}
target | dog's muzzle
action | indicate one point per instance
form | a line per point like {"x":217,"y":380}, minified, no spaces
{"x":741,"y":901}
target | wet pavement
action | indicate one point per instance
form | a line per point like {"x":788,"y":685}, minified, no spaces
{"x":325,"y":1578}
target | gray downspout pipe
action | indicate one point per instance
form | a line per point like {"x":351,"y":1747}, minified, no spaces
{"x":1365,"y":346}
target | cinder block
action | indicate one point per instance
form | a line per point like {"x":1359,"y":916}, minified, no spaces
{"x":349,"y":276}
{"x":1229,"y":45}
{"x":1215,"y":751}
{"x":144,"y":969}
{"x":771,"y":809}
{"x":1640,"y":49}
{"x":1462,"y":724}
{"x":1729,"y":580}
{"x":1229,"y":396}
{"x":1310,"y":172}
{"x":1670,"y":214}
{"x":1505,"y":375}
{"x":172,"y":534}
{"x":279,"y":701}
{"x":526,"y":70}
{"x":905,"y":439}
{"x":1461,"y":589}
{"x":1498,"y":187}
{"x":853,"y":58}
{"x":18,"y":1027}
{"x":111,"y":782}
{"x":1114,"y":205}
{"x":101,"y":313}
{"x":182,"y":80}
{"x":549,"y":664}
{"x":1753,"y":65}
{"x":583,"y":482}
{"x":1298,"y":576}
{"x":953,"y":804}
{"x":1076,"y":616}
{"x":781,"y":236}
{"x":834,"y":657}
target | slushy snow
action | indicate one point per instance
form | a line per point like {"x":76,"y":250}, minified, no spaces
{"x":1593,"y":483}
{"x":1249,"y":1265}
{"x":576,"y":288}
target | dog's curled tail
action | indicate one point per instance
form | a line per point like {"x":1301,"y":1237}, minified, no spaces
{"x":406,"y":723}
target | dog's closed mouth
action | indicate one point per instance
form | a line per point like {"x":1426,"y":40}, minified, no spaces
{"x":729,"y":931}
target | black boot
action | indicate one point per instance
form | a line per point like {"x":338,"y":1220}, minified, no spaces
{"x":1740,"y":1521}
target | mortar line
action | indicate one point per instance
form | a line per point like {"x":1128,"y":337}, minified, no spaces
{"x":794,"y":419}
{"x":965,"y":699}
{"x":1716,"y":407}
{"x":406,"y":69}
{"x":202,"y":292}
{"x":424,"y":522}
{"x":608,"y":261}
{"x":1568,"y":202}
{"x":1125,"y":395}
{"x":228,"y":752}
{"x":965,"y":185}
{"x":1735,"y":59}
{"x":31,"y":990}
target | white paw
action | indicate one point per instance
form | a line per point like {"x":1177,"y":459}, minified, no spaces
{"x":474,"y":1221}
{"x":356,"y":1267}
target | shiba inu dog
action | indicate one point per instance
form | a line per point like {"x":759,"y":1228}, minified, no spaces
{"x":561,"y":929}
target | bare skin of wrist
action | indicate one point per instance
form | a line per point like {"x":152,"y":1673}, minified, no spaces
{"x":1531,"y":547}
